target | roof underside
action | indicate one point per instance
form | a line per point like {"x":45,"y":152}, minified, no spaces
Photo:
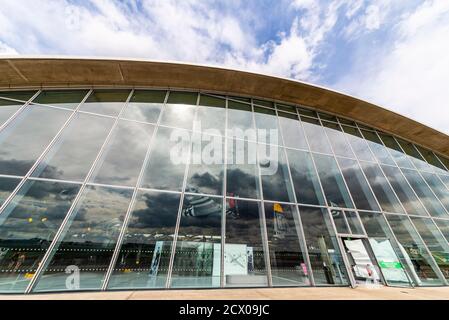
{"x":68,"y":72}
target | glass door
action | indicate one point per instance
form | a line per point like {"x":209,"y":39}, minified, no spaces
{"x":391,"y":267}
{"x":363,"y":266}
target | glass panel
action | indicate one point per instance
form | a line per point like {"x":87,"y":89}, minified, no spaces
{"x":62,"y":98}
{"x":354,"y":222}
{"x":359,"y":188}
{"x":244,"y":260}
{"x":431,"y":203}
{"x":337,"y":139}
{"x":325,"y":257}
{"x":288,"y":267}
{"x":211,"y":115}
{"x":414,"y":250}
{"x":240,"y":119}
{"x":197,"y":261}
{"x":379,"y":184}
{"x":107,"y":102}
{"x":292,"y":131}
{"x":276,"y":184}
{"x":182,"y":97}
{"x":438,"y":188}
{"x":403,"y":191}
{"x":444,"y":160}
{"x":347,"y":121}
{"x":145,"y":106}
{"x":27,"y":226}
{"x":305,"y":179}
{"x":443,"y":225}
{"x":340,"y":222}
{"x":7,"y":186}
{"x":390,"y":256}
{"x":332,"y":181}
{"x":437,"y":245}
{"x":178,"y":116}
{"x":307,"y":112}
{"x":416,"y":158}
{"x":144,"y":256}
{"x":376,"y":146}
{"x":122,"y":159}
{"x":445,"y":179}
{"x":206,"y":168}
{"x":328,"y":117}
{"x":25,"y":138}
{"x":358,"y":144}
{"x":162,"y":171}
{"x":76,"y":149}
{"x":431,"y":159}
{"x":395,"y":150}
{"x":284,"y":107}
{"x":7,"y":109}
{"x":242,"y":172}
{"x":18,"y":95}
{"x":263,"y":103}
{"x":87,"y":242}
{"x":267,"y":126}
{"x":316,"y":136}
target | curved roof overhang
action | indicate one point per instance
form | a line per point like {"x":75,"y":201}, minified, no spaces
{"x":25,"y":72}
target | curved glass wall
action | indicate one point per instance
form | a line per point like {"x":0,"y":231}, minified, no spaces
{"x":146,"y":189}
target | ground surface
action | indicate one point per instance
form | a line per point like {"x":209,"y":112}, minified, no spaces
{"x":383,"y":293}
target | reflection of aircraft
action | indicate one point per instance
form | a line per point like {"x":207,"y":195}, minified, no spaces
{"x":200,"y":206}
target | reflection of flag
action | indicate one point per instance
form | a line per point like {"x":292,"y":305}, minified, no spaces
{"x":280,"y":224}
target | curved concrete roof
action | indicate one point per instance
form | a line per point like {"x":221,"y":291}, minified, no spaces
{"x":23,"y":72}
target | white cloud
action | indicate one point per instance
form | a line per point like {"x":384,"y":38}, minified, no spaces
{"x":412,"y":76}
{"x":7,"y":50}
{"x":372,"y":19}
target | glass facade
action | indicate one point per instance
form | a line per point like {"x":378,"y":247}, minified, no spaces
{"x":109,"y":189}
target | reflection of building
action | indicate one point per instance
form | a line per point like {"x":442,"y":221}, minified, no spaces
{"x":350,"y":192}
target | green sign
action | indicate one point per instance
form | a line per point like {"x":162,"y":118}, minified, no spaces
{"x":390,"y":264}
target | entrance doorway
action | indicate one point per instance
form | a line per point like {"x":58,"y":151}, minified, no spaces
{"x":362,"y":263}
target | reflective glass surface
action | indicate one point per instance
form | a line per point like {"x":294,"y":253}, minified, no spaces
{"x":325,"y":257}
{"x":123,"y":156}
{"x":276,"y":184}
{"x":359,"y":188}
{"x":244,"y":255}
{"x":171,"y":201}
{"x":145,"y":106}
{"x":27,"y":227}
{"x":144,"y":255}
{"x":332,"y":181}
{"x":7,"y":185}
{"x":165,"y":169}
{"x":107,"y":102}
{"x":61,"y":98}
{"x":316,"y":136}
{"x":292,"y":131}
{"x":25,"y":138}
{"x":197,"y":260}
{"x":414,"y":250}
{"x":404,"y":192}
{"x":242,"y":173}
{"x":72,"y":155}
{"x":83,"y":252}
{"x":287,"y":259}
{"x":305,"y":179}
{"x":7,"y":109}
{"x":206,"y":167}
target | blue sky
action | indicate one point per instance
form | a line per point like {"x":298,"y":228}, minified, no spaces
{"x":394,"y":53}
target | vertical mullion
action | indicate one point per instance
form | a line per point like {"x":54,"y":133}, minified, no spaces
{"x":223,"y":210}
{"x":184,"y":184}
{"x":299,"y":228}
{"x":132,"y":202}
{"x":58,"y":234}
{"x":264,"y":233}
